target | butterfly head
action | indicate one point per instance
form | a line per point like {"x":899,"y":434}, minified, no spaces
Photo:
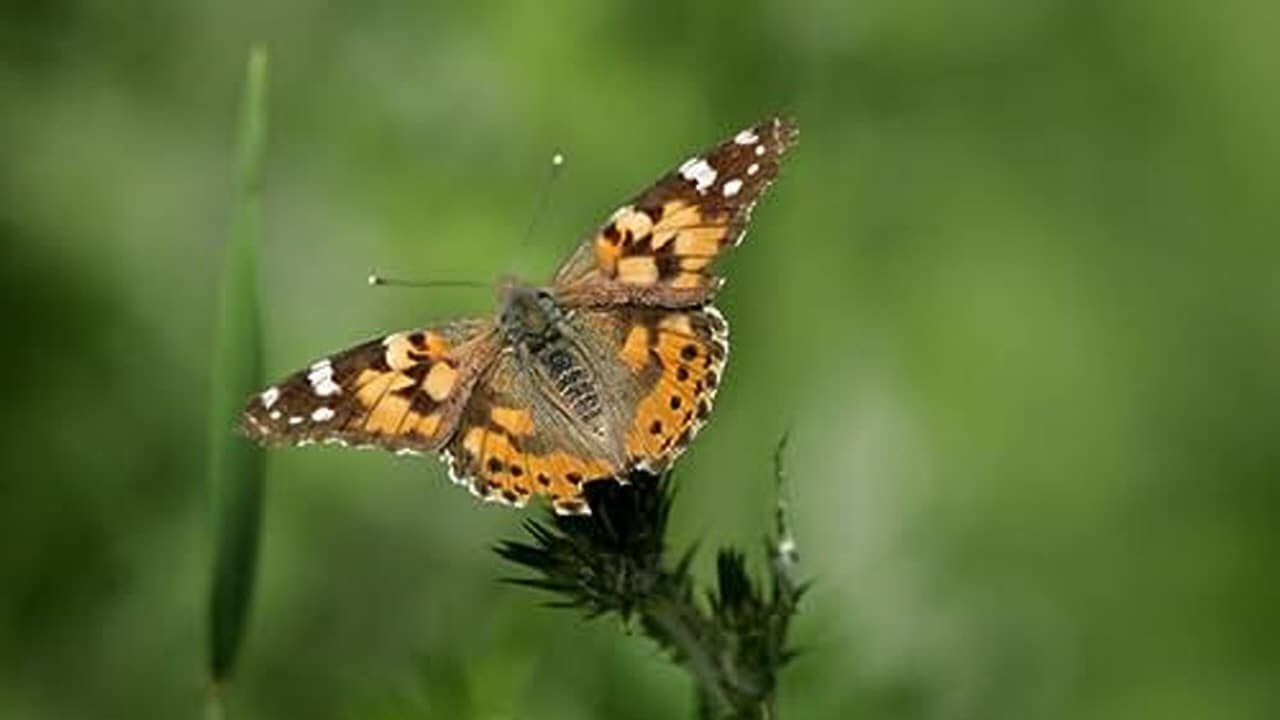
{"x":528,"y":313}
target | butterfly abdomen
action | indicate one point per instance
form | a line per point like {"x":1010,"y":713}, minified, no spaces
{"x":534,"y":321}
{"x":572,"y":379}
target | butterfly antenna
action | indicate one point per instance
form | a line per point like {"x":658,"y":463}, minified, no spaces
{"x":376,"y":280}
{"x":544,"y":200}
{"x":544,"y":197}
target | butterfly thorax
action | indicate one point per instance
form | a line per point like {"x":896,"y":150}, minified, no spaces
{"x":537,"y":327}
{"x":529,"y":315}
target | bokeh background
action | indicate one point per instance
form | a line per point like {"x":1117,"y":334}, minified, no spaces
{"x":1016,"y":296}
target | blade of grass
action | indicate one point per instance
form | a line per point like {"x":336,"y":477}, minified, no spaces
{"x":236,"y":466}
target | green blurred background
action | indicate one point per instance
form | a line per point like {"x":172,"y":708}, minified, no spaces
{"x":1016,"y":295}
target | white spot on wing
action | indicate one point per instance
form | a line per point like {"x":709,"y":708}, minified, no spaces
{"x":731,"y":187}
{"x":275,"y":414}
{"x":321,"y":377}
{"x":746,"y":137}
{"x":321,"y":414}
{"x":270,"y":396}
{"x":295,"y":420}
{"x":697,"y":170}
{"x":759,"y":150}
{"x":753,"y":168}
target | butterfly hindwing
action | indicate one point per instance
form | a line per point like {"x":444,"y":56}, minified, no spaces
{"x":671,"y":361}
{"x":402,"y":392}
{"x":659,"y":248}
{"x":519,"y":437}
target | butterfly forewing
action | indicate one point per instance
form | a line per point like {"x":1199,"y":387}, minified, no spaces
{"x":659,"y":248}
{"x":403,"y":391}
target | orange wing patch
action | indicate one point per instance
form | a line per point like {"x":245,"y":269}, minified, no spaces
{"x":387,"y":411}
{"x":690,"y":350}
{"x":671,"y":243}
{"x":638,"y":270}
{"x":426,"y":426}
{"x":405,"y":399}
{"x":385,"y":417}
{"x":491,"y":462}
{"x":635,"y":349}
{"x":440,"y":379}
{"x":513,"y":420}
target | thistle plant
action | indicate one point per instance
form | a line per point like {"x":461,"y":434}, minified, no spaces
{"x":615,"y":562}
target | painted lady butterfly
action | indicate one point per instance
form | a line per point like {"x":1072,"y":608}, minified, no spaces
{"x":612,"y":367}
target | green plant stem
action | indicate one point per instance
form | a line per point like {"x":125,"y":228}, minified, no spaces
{"x":213,"y":705}
{"x":684,"y":626}
{"x":236,"y":467}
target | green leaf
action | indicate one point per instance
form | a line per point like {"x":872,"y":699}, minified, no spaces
{"x":236,"y":466}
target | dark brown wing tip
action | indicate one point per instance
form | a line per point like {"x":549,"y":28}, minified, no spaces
{"x":251,"y":427}
{"x":256,"y":422}
{"x":783,"y":131}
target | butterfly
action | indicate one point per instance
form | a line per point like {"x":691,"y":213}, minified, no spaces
{"x":611,"y":367}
